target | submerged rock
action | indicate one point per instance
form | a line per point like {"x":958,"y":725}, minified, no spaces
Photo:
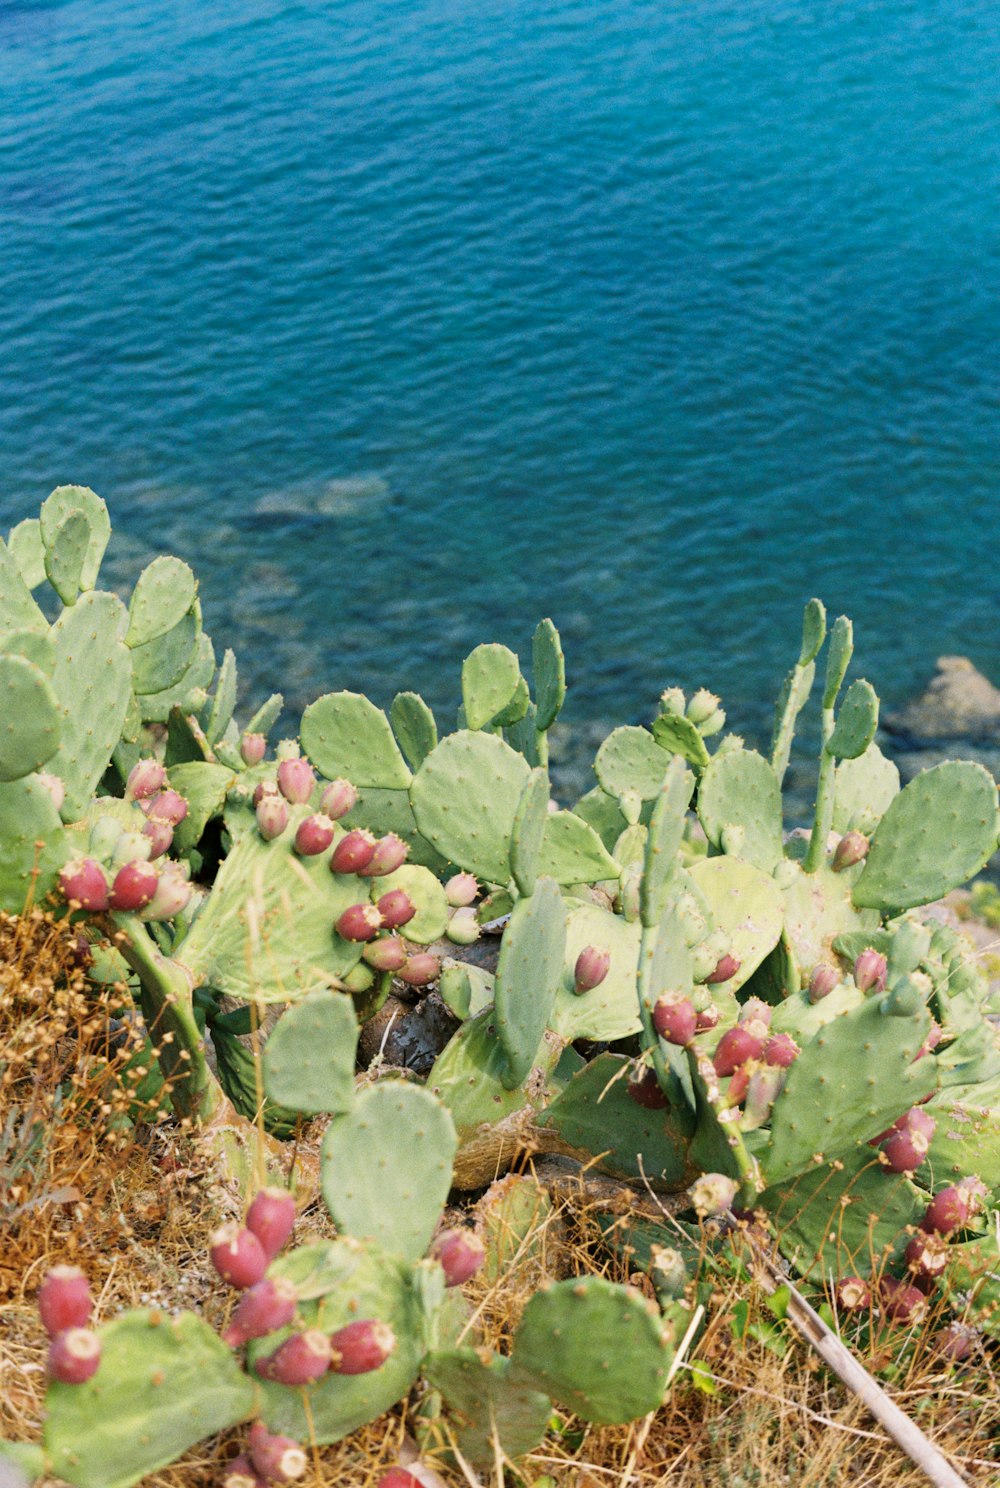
{"x":958,"y":703}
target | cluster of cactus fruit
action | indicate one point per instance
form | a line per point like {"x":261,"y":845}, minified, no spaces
{"x":658,"y":979}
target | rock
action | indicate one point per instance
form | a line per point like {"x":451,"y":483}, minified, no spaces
{"x":958,"y":703}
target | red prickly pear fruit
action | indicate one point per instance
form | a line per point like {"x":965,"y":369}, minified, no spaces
{"x":853,"y":1293}
{"x":852,"y":848}
{"x":396,"y":908}
{"x":592,"y":966}
{"x":264,"y":788}
{"x":272,"y":815}
{"x":740,"y":1082}
{"x":870,"y":971}
{"x":904,"y":1151}
{"x":241,"y":1473}
{"x":359,"y":922}
{"x":926,"y":1255}
{"x":646,"y":1092}
{"x":353,"y":852}
{"x":387,"y":953}
{"x":83,"y":882}
{"x":64,"y":1300}
{"x":313,"y":835}
{"x":461,"y":890}
{"x":145,"y":779}
{"x":822,"y":982}
{"x":755,"y":1010}
{"x":726,"y":968}
{"x":168,"y":804}
{"x":160,"y":833}
{"x":301,"y":1359}
{"x":134,"y":886}
{"x":420,"y":970}
{"x":296,"y":780}
{"x":674,"y":1018}
{"x":954,"y":1206}
{"x":712,"y":1193}
{"x":398,"y":1477}
{"x":736,"y":1046}
{"x":390,"y":853}
{"x":172,"y":894}
{"x":956,"y":1342}
{"x":74,"y":1356}
{"x":459,"y":1253}
{"x":338,"y":798}
{"x":781,"y":1050}
{"x":271,"y":1217}
{"x":279,"y":1459}
{"x":54,"y":786}
{"x":934,"y":1036}
{"x":237,"y":1256}
{"x":253,"y":748}
{"x":263,"y":1308}
{"x":361,"y":1346}
{"x":707,"y":1019}
{"x":901,"y":1302}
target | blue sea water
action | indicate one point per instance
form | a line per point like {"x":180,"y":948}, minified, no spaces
{"x":409,"y":322}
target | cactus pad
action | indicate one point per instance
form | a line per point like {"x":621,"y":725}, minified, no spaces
{"x":30,"y":722}
{"x":92,"y":681}
{"x":631,"y":762}
{"x":610,"y":1010}
{"x":161,"y":662}
{"x":678,"y":735}
{"x":65,"y":558}
{"x":739,"y":789}
{"x":156,"y":706}
{"x":490,"y":677}
{"x":427,"y":896}
{"x":28,"y":817}
{"x":528,"y":974}
{"x":857,"y":720}
{"x":548,"y":673}
{"x":666,"y":832}
{"x":528,"y":831}
{"x":414,"y":727}
{"x":747,"y":908}
{"x":28,"y":551}
{"x":308,"y":1060}
{"x":57,"y":507}
{"x":346,"y":736}
{"x":819,"y":909}
{"x":573,"y":853}
{"x":489,"y":1405}
{"x":164,"y":593}
{"x":865,"y":787}
{"x":465,"y":797}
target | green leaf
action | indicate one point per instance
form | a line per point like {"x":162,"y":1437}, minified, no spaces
{"x":414,"y":727}
{"x":347,"y":737}
{"x":490,"y":677}
{"x":164,"y":593}
{"x":55,"y":509}
{"x":857,"y":720}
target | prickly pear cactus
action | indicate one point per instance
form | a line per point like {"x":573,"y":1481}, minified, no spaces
{"x":308,"y":1060}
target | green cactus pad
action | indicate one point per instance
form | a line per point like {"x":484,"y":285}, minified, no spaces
{"x":937,"y":833}
{"x":386,"y":1166}
{"x":850,"y":1082}
{"x":666,"y":832}
{"x":18,"y":611}
{"x":489,"y":1405}
{"x":308,"y":1060}
{"x":204,"y":787}
{"x":631,"y":761}
{"x":339,"y":1281}
{"x":163,"y":1384}
{"x":30,"y":721}
{"x":528,"y":974}
{"x":428,"y":896}
{"x":803,"y":1019}
{"x":28,"y":817}
{"x":160,"y":663}
{"x":678,"y":735}
{"x":865,"y":788}
{"x":28,"y":551}
{"x":67,"y":555}
{"x":34,"y":645}
{"x":967,"y":1137}
{"x":604,"y":814}
{"x":528,"y":832}
{"x":739,"y":789}
{"x":794,"y":694}
{"x":414,"y":727}
{"x":383,"y":811}
{"x":747,"y":907}
{"x":813,"y":631}
{"x":467,"y":1077}
{"x":224,"y":700}
{"x":600,"y":1349}
{"x":156,"y":707}
{"x":594,"y":1115}
{"x":838,"y":658}
{"x":92,"y":681}
{"x":464,"y":988}
{"x":164,"y":593}
{"x":525,"y":737}
{"x":57,"y":507}
{"x":609,"y":1011}
{"x":514,"y":1219}
{"x":237,"y":1072}
{"x":465,"y":798}
{"x":573,"y":853}
{"x":347,"y":737}
{"x":548,"y":673}
{"x":857,"y":721}
{"x":266,"y":715}
{"x":490,"y":677}
{"x":818,"y":910}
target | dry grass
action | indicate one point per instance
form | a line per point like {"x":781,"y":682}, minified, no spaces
{"x":134,"y":1210}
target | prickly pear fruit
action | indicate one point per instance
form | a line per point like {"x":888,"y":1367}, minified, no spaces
{"x":277,"y":1458}
{"x":712,"y":1193}
{"x":756,"y":1010}
{"x":387,"y":953}
{"x":389,"y":854}
{"x":241,"y":1473}
{"x":83,"y":882}
{"x":667,"y":1272}
{"x":934,"y":1036}
{"x":359,"y":922}
{"x":421,"y":969}
{"x":264,"y":788}
{"x":74,"y":1356}
{"x":461,"y":890}
{"x":54,"y":786}
{"x":822,"y":982}
{"x":398,"y":1477}
{"x":168,"y":804}
{"x":160,"y":833}
{"x":272,"y":815}
{"x":313,"y":835}
{"x":646,"y":1092}
{"x":853,"y":1293}
{"x":271,"y":1217}
{"x":852,"y":848}
{"x":707,"y":1018}
{"x":737,"y":1045}
{"x":951,"y":1208}
{"x":901,"y":1302}
{"x":459,"y":1253}
{"x":926,"y":1256}
{"x":781,"y":1050}
{"x":64,"y":1300}
{"x":361,"y":1346}
{"x":906,"y":1146}
{"x":763,"y":1088}
{"x":956,"y":1342}
{"x":353,"y":852}
{"x":701,"y":707}
{"x":396,"y":908}
{"x":674,"y":1018}
{"x":263,"y":1308}
{"x":725,"y":969}
{"x":740,"y":1082}
{"x":296,"y":780}
{"x":237,"y":1255}
{"x":870,"y":971}
{"x":172,"y":893}
{"x":592,"y":966}
{"x":144,"y":779}
{"x":463,"y":927}
{"x":253,"y":748}
{"x":338,"y":798}
{"x":134,"y":886}
{"x":302,"y":1358}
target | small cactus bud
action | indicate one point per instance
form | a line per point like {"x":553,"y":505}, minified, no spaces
{"x":592,"y":966}
{"x":459,"y":1253}
{"x":264,"y":788}
{"x":263,"y":1308}
{"x":461,"y":890}
{"x":736,"y":1046}
{"x":241,"y":1473}
{"x":353,"y":852}
{"x":272,"y":815}
{"x":708,"y":1018}
{"x":253,"y":748}
{"x":389,"y":854}
{"x":672,"y":701}
{"x":726,"y":968}
{"x":463,"y":927}
{"x":853,"y":1294}
{"x":160,"y":833}
{"x":361,"y":1346}
{"x":54,"y":786}
{"x":781,"y":1050}
{"x":667,"y":1272}
{"x":756,"y":1010}
{"x":421,"y":969}
{"x":360,"y":922}
{"x":134,"y":886}
{"x":712,"y":1193}
{"x":74,"y":1356}
{"x":338,"y":798}
{"x":740,"y":1083}
{"x":902,"y":1303}
{"x":646,"y":1092}
{"x":934,"y":1036}
{"x":956,"y":1342}
{"x":701,"y":707}
{"x":313,"y":835}
{"x":130,"y":847}
{"x":387,"y":953}
{"x":237,"y":1256}
{"x":173,"y":892}
{"x":852,"y":848}
{"x":301,"y":1359}
{"x":82,"y":882}
{"x":822,"y":982}
{"x":296,"y":780}
{"x":674,"y":1018}
{"x":870,"y":971}
{"x":926,"y":1256}
{"x":396,"y":908}
{"x":271,"y":1217}
{"x":168,"y":804}
{"x":64,"y":1300}
{"x":763,"y":1088}
{"x":145,"y":779}
{"x":279,"y":1459}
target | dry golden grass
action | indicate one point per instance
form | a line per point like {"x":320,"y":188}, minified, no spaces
{"x":134,"y":1210}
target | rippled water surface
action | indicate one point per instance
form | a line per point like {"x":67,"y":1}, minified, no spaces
{"x":410,"y":322}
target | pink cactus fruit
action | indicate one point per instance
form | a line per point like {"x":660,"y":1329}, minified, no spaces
{"x":674,"y":1018}
{"x":263,"y":1308}
{"x":646,"y":1092}
{"x":237,"y":1255}
{"x":241,"y":1473}
{"x":272,"y":815}
{"x":74,"y":1356}
{"x":934,"y":1036}
{"x":712,"y":1194}
{"x":870,"y":971}
{"x":956,"y":1342}
{"x":169,"y":805}
{"x":398,"y":1477}
{"x":271,"y":1217}
{"x":361,"y":1346}
{"x":822,"y":982}
{"x":338,"y":798}
{"x":707,"y":1019}
{"x":396,"y":909}
{"x":725,"y":969}
{"x":461,"y":890}
{"x":82,"y":882}
{"x":160,"y":833}
{"x":926,"y":1256}
{"x":852,"y":848}
{"x":737,"y":1045}
{"x":908,"y":1141}
{"x":359,"y":922}
{"x":390,"y":853}
{"x":736,"y":1091}
{"x":387,"y":953}
{"x":755,"y":1010}
{"x":353,"y":852}
{"x":781,"y":1050}
{"x":173,"y":893}
{"x":134,"y":885}
{"x":301,"y":1359}
{"x":591,"y":968}
{"x":901,"y":1302}
{"x":853,"y":1293}
{"x":253,"y":748}
{"x":459,"y":1253}
{"x":144,"y":779}
{"x":264,"y":788}
{"x":313,"y":835}
{"x":64,"y":1300}
{"x":420,"y":970}
{"x":279,"y":1459}
{"x":296,"y":780}
{"x":951,"y":1208}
